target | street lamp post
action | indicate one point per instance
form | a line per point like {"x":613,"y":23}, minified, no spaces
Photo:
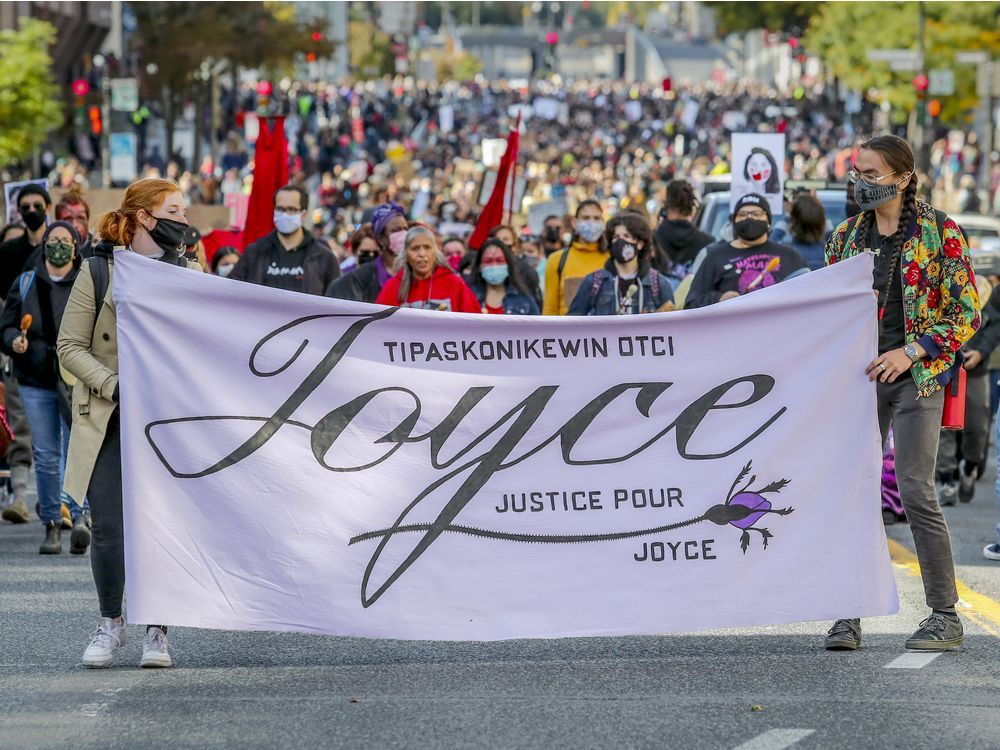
{"x":100,"y":63}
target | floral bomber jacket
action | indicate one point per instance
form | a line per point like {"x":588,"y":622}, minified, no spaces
{"x":941,"y":307}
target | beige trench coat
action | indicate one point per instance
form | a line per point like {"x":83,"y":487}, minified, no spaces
{"x":88,"y":350}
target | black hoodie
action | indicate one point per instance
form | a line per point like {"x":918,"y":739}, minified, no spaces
{"x":45,"y":300}
{"x":681,"y":240}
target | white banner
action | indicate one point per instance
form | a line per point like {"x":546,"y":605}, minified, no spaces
{"x":309,"y":464}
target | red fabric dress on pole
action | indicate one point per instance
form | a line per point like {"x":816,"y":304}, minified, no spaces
{"x":270,"y":172}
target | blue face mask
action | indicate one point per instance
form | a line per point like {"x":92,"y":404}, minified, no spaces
{"x":495,"y":275}
{"x":590,"y":230}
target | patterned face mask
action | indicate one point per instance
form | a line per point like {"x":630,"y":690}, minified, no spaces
{"x":59,"y":252}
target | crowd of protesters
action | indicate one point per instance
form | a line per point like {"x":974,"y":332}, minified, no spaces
{"x":626,"y":245}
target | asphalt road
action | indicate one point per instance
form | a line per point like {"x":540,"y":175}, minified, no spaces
{"x":763,"y":688}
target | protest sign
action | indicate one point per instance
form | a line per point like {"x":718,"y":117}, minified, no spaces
{"x":10,"y":193}
{"x":758,"y":166}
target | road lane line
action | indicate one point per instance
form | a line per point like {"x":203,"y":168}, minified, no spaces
{"x":912,"y":661}
{"x":979,"y":608}
{"x":776,"y":739}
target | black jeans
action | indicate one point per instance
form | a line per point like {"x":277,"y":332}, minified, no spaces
{"x":107,"y":547}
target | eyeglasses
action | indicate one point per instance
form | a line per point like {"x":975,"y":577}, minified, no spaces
{"x":755,"y":213}
{"x":854,"y":175}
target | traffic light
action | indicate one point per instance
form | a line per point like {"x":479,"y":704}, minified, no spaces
{"x":317,"y":37}
{"x":80,"y":87}
{"x":96,"y":123}
{"x":934,"y":107}
{"x":920,"y":82}
{"x":264,"y":90}
{"x":552,"y":38}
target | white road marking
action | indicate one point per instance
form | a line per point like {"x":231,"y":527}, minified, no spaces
{"x":776,"y":739}
{"x":911,"y":660}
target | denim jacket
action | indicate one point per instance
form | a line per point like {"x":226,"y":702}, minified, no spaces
{"x":597,"y":294}
{"x":515,"y":302}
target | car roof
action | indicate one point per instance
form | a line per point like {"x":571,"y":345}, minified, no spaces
{"x":975,"y":220}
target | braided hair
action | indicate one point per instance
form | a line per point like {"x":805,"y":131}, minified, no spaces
{"x":897,"y":153}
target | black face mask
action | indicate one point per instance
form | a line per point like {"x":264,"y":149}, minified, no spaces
{"x":750,"y":229}
{"x":552,"y":234}
{"x":622,"y":250}
{"x":33,"y":220}
{"x":168,"y":234}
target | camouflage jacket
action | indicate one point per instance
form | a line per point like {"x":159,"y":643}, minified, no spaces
{"x":941,"y":307}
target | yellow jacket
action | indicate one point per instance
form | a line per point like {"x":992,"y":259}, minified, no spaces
{"x":583,"y":258}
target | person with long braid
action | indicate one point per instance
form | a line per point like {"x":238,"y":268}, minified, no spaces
{"x":928,"y":308}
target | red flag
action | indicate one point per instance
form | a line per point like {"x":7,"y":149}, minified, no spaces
{"x":492,"y":215}
{"x":270,"y":172}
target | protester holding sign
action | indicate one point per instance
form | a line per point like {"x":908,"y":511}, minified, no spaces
{"x":497,"y":281}
{"x":566,"y":269}
{"x":31,"y":317}
{"x":628,"y":284}
{"x":150,"y":222}
{"x":426,"y":281}
{"x":748,"y":263}
{"x":928,"y":308}
{"x":389,"y":225}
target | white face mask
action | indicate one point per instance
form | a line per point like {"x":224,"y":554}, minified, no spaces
{"x":225,"y":270}
{"x":287,"y":223}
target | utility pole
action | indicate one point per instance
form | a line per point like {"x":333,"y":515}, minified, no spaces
{"x":923,"y":145}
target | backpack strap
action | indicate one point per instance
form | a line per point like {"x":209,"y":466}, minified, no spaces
{"x":940,"y":217}
{"x":595,"y":285}
{"x":562,"y":263}
{"x":654,"y":285}
{"x":24,"y":283}
{"x":100,"y":271}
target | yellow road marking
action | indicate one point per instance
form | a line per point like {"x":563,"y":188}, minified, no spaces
{"x":980,"y":608}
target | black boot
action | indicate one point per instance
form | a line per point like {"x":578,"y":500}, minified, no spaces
{"x":79,"y":540}
{"x":53,"y":539}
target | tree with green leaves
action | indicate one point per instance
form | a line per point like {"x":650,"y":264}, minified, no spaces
{"x":790,"y":17}
{"x":843,"y":34}
{"x":29,"y":98}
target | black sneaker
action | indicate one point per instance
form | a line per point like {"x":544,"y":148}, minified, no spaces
{"x":939,"y":632}
{"x":845,"y":635}
{"x":79,"y":539}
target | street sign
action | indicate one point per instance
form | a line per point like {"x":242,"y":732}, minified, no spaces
{"x":124,"y":150}
{"x":942,"y":82}
{"x":124,"y":94}
{"x":901,"y":56}
{"x":972,"y":57}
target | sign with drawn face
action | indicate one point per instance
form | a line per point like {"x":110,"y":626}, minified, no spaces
{"x":758,"y":166}
{"x":333,"y":467}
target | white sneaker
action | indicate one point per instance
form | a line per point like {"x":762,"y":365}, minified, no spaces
{"x":109,"y":637}
{"x":155,"y":649}
{"x":992,"y":551}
